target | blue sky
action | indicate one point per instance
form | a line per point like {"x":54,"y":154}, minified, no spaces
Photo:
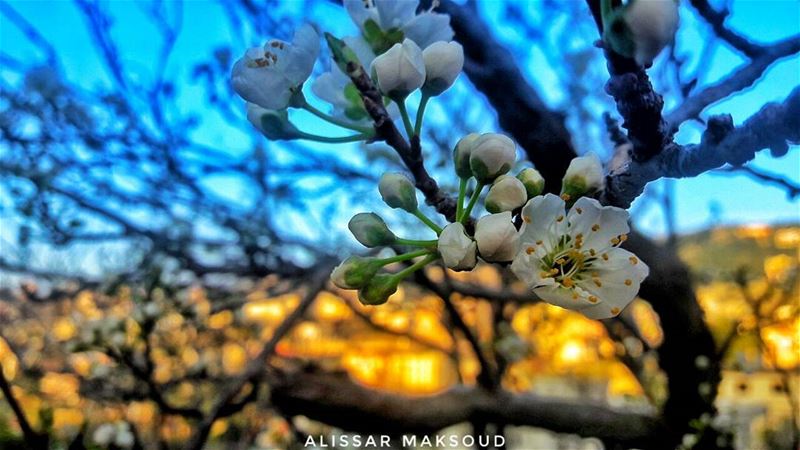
{"x":739,"y":199}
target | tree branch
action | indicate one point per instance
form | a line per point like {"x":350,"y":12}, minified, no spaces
{"x":722,"y":143}
{"x":256,"y":366}
{"x":334,"y":399}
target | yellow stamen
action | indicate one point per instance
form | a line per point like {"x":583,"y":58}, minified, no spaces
{"x":592,"y":252}
{"x":633,"y":260}
{"x":628,"y":282}
{"x":605,"y":256}
{"x":614,"y":241}
{"x":615,"y":310}
{"x":559,"y":218}
{"x":565,"y":197}
{"x":526,"y":219}
{"x":567,"y":282}
{"x":538,"y":242}
{"x":595,"y":227}
{"x":579,"y":210}
{"x":593,"y":299}
{"x":597,"y":282}
{"x":530,"y":250}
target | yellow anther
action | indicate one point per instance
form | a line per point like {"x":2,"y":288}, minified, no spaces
{"x":559,"y":218}
{"x":597,"y":282}
{"x":574,"y":295}
{"x":561,"y":261}
{"x":526,"y":219}
{"x":530,"y":250}
{"x":592,"y":252}
{"x":634,"y":260}
{"x":565,"y":197}
{"x":579,"y":210}
{"x":605,"y":256}
{"x":614,"y":241}
{"x":567,"y":282}
{"x":628,"y":282}
{"x":593,"y":299}
{"x":596,"y":227}
{"x":615,"y":310}
{"x":623,"y":237}
{"x":538,"y":242}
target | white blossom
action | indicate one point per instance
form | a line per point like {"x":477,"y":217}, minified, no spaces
{"x":457,"y":249}
{"x":398,"y":20}
{"x":400,"y":71}
{"x":573,"y":259}
{"x":443,"y":63}
{"x":496,"y":237}
{"x":269,"y":76}
{"x":492,"y":155}
{"x":652,"y":24}
{"x":584,"y":175}
{"x":506,"y":194}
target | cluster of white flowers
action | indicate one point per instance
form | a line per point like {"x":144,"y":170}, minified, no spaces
{"x":402,"y":50}
{"x":564,"y":248}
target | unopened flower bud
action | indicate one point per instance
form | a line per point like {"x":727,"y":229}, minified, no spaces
{"x":355,"y":272}
{"x":506,"y":194}
{"x":642,"y":28}
{"x":378,"y":290}
{"x":457,"y":249}
{"x":584,"y":176}
{"x":443,"y":63}
{"x":400,"y":71}
{"x":370,"y":230}
{"x":496,"y":237}
{"x":532,"y":180}
{"x":461,"y":154}
{"x":492,"y":155}
{"x":273,"y":124}
{"x":398,"y":191}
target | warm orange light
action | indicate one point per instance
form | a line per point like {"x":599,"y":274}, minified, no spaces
{"x":265,"y":311}
{"x":571,"y":352}
{"x":784,"y":348}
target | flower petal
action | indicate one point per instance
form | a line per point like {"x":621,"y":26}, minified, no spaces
{"x":540,"y":221}
{"x":427,"y":28}
{"x":573,"y":298}
{"x":598,"y":224}
{"x":301,"y":55}
{"x":395,"y":13}
{"x":360,"y":11}
{"x":619,"y":279}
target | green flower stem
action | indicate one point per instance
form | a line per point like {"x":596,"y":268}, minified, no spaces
{"x":474,"y":199}
{"x":416,"y":243}
{"x":335,"y":140}
{"x":334,"y":120}
{"x":418,"y":214}
{"x":414,"y":267}
{"x":420,"y":113}
{"x":462,"y":192}
{"x":405,"y":256}
{"x":401,"y":105}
